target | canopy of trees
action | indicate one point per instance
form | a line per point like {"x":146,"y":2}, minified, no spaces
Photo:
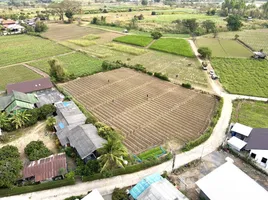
{"x":36,"y":150}
{"x":234,"y":23}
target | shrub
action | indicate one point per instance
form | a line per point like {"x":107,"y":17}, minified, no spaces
{"x":150,"y":73}
{"x":119,"y":194}
{"x":186,"y":85}
{"x":205,"y":52}
{"x":36,"y":150}
{"x":40,"y":27}
{"x":45,"y":111}
{"x":106,"y":65}
{"x":153,"y":13}
{"x":156,"y":35}
{"x":161,"y":76}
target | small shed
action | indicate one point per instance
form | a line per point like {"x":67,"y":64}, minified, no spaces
{"x":236,"y":144}
{"x":241,"y":131}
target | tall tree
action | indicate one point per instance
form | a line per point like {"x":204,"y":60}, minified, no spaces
{"x":265,"y":9}
{"x":56,"y":70}
{"x":20,"y":118}
{"x":112,"y":155}
{"x":209,"y":25}
{"x":3,"y":119}
{"x":190,"y":24}
{"x":234,"y":23}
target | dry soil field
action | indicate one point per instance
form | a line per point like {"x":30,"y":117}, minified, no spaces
{"x":147,"y":110}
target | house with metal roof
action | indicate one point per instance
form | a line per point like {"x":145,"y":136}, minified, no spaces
{"x":229,"y":182}
{"x":240,"y":131}
{"x":17,"y":101}
{"x":258,"y":146}
{"x":155,"y":187}
{"x":46,"y":168}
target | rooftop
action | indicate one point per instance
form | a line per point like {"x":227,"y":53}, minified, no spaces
{"x":236,"y":142}
{"x":229,"y":182}
{"x":258,"y":139}
{"x":49,"y":97}
{"x":45,"y":168}
{"x":94,"y":195}
{"x":30,"y":86}
{"x":241,"y":129}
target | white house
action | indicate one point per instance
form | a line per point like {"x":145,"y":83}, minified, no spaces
{"x":228,"y":182}
{"x":258,"y":146}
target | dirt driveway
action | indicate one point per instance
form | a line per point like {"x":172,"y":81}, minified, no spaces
{"x":186,"y":177}
{"x":37,"y":132}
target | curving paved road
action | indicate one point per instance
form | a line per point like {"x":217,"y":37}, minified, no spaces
{"x":106,"y":186}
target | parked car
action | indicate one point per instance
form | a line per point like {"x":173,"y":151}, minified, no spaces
{"x":211,"y":72}
{"x":204,"y":67}
{"x":214,"y":76}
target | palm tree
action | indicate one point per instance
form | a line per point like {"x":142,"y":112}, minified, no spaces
{"x":3,"y":119}
{"x":19,"y":119}
{"x":50,"y":122}
{"x":112,"y":155}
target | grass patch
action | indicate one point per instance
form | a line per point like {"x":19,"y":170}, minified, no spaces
{"x":174,"y":46}
{"x":91,"y":37}
{"x":35,"y":188}
{"x":151,"y":153}
{"x":224,"y":47}
{"x":82,"y":42}
{"x":22,"y":48}
{"x":243,"y":76}
{"x":14,"y":74}
{"x":138,"y":40}
{"x":126,"y":49}
{"x":78,"y":64}
{"x":250,"y":113}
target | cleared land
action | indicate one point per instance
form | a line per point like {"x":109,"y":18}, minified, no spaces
{"x":138,"y":40}
{"x":224,"y":47}
{"x":250,"y":113}
{"x":174,"y":46}
{"x":242,"y":76}
{"x":76,"y":63}
{"x":256,"y":39}
{"x":14,"y":74}
{"x":21,"y":48}
{"x":169,"y":111}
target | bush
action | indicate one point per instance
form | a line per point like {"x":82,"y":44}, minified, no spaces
{"x":106,"y":65}
{"x":35,"y":188}
{"x":205,"y":52}
{"x":119,"y":194}
{"x":186,"y":85}
{"x":153,"y":13}
{"x":40,"y":27}
{"x":161,"y":76}
{"x":156,"y":35}
{"x":36,"y":150}
{"x":45,"y":111}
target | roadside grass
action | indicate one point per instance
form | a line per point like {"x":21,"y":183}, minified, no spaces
{"x":22,"y":48}
{"x":126,"y":49}
{"x":250,"y":113}
{"x":14,"y":74}
{"x":138,"y":40}
{"x":78,"y":64}
{"x":242,"y":76}
{"x":151,"y":153}
{"x":82,"y":42}
{"x":224,"y":47}
{"x":174,"y":46}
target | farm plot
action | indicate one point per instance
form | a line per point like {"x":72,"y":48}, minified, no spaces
{"x":21,"y":48}
{"x":147,"y":110}
{"x":224,"y":47}
{"x":243,"y":76}
{"x":250,"y":113}
{"x":75,"y":63}
{"x":14,"y":74}
{"x":174,"y":46}
{"x":138,"y":40}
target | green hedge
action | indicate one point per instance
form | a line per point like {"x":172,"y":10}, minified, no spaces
{"x":161,"y":76}
{"x":186,"y":85}
{"x":35,"y":188}
{"x":192,"y":144}
{"x":129,"y":169}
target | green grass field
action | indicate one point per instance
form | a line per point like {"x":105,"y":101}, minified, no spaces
{"x":14,"y":74}
{"x":250,"y":113}
{"x":21,"y":48}
{"x":151,"y":153}
{"x":77,"y":63}
{"x":138,"y":40}
{"x":126,"y":49}
{"x":243,"y":76}
{"x":224,"y":47}
{"x":174,"y":46}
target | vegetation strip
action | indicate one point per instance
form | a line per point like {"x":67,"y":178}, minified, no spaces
{"x":138,"y":40}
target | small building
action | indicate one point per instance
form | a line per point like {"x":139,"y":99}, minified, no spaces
{"x":259,"y":54}
{"x":17,"y":101}
{"x":258,"y":146}
{"x":155,"y":187}
{"x":46,"y":169}
{"x":229,"y":182}
{"x":8,"y":22}
{"x":236,"y":144}
{"x":30,"y":86}
{"x":94,"y":195}
{"x":15,"y":28}
{"x":240,"y":131}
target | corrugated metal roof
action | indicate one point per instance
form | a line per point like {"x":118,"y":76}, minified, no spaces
{"x":30,"y":86}
{"x":45,"y":168}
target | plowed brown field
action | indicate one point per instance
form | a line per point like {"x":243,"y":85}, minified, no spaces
{"x":147,"y":110}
